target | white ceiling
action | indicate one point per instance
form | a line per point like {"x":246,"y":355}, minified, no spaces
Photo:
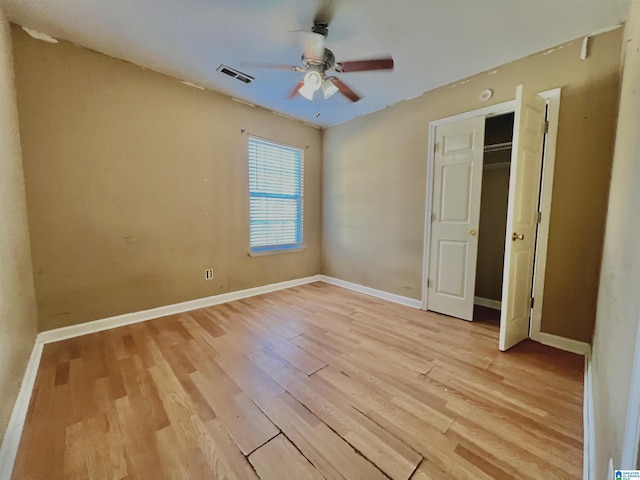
{"x":433,"y":42}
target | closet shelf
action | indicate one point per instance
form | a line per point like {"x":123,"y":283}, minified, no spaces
{"x":495,"y":166}
{"x":497,"y":147}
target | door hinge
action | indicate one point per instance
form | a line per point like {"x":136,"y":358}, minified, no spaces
{"x":433,"y":217}
{"x":546,"y":126}
{"x":531,"y":302}
{"x":435,"y":147}
{"x":539,"y":217}
{"x":428,"y":283}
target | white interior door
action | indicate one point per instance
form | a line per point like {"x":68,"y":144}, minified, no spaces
{"x":522,"y":217}
{"x":456,"y":213}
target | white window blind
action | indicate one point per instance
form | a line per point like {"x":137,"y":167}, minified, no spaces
{"x":275,"y":195}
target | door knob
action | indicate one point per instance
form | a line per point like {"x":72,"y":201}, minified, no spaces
{"x":517,"y":236}
{"x":473,"y":232}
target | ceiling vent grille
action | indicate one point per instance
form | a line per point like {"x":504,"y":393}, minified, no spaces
{"x":243,"y":77}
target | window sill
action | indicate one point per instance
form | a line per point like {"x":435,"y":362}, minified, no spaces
{"x":276,"y":251}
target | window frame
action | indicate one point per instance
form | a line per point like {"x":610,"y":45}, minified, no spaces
{"x":253,"y":157}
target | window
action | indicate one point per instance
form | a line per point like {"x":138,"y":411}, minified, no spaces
{"x":275,"y":197}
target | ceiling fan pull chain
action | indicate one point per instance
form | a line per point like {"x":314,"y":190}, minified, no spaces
{"x":318,"y":114}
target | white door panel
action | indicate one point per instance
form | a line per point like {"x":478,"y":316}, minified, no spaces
{"x":522,"y":217}
{"x":456,"y":189}
{"x":456,"y":208}
{"x":452,"y":268}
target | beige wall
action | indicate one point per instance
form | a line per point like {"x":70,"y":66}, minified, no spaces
{"x":375,"y":168}
{"x":618,"y":316}
{"x":18,"y":315}
{"x":137,"y":183}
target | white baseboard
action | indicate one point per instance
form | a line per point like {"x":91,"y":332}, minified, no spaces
{"x":13,"y":433}
{"x":392,"y":297}
{"x":566,"y":344}
{"x":631,"y":445}
{"x":487,"y":302}
{"x":589,"y":457}
{"x":71,"y":331}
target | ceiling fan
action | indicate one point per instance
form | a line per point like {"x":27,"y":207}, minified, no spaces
{"x":317,"y":60}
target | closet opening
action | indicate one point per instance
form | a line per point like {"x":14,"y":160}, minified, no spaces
{"x":493,"y":216}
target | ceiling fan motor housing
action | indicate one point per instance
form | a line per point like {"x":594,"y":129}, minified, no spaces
{"x":327,"y":63}
{"x":321,"y":27}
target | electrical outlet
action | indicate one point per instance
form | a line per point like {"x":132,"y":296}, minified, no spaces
{"x":208,"y":274}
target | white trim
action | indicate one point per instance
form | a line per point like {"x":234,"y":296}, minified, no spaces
{"x":584,"y":51}
{"x":490,"y":111}
{"x":632,"y":428}
{"x":391,"y":297}
{"x":589,"y":443}
{"x":426,"y":249}
{"x":542,"y":242}
{"x":563,"y":343}
{"x":144,"y":315}
{"x":276,"y":251}
{"x":496,"y":109}
{"x":13,"y":433}
{"x":487,"y":302}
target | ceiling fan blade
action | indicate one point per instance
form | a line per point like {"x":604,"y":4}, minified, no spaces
{"x":344,"y":89}
{"x":385,"y":63}
{"x":325,"y":11}
{"x":273,"y":66}
{"x":294,"y":92}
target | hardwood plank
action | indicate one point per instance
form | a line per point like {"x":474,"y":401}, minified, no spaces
{"x":368,"y":400}
{"x":142,"y":394}
{"x":428,"y":471}
{"x":498,"y":396}
{"x":404,"y":388}
{"x":182,"y":368}
{"x":62,"y":374}
{"x":331,"y":455}
{"x":222,"y":454}
{"x":384,"y":450}
{"x":181,"y":457}
{"x":248,"y":426}
{"x":36,"y":458}
{"x":498,"y":454}
{"x":251,"y":380}
{"x":279,"y":459}
{"x":142,"y":455}
{"x":95,"y":449}
{"x":302,"y":360}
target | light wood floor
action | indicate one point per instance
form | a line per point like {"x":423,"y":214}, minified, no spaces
{"x":307,"y":383}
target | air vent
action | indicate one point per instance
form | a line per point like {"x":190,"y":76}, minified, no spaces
{"x":243,"y":77}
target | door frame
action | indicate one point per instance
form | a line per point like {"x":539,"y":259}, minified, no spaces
{"x":553,"y":100}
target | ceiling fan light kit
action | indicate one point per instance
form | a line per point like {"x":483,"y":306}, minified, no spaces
{"x":328,"y":88}
{"x":311,"y":83}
